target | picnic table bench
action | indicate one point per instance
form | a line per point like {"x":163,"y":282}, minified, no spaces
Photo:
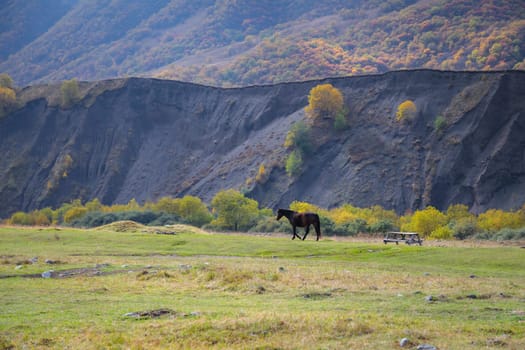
{"x":406,"y":237}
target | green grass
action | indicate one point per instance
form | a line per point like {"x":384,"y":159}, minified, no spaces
{"x":240,"y":292}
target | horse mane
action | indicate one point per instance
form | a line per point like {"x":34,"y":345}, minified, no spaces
{"x":286,"y":211}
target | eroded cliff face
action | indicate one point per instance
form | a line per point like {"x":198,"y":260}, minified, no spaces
{"x":144,"y":139}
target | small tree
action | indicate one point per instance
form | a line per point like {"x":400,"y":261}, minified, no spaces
{"x":6,"y":81}
{"x":456,"y":212}
{"x":494,"y":220}
{"x":340,"y":122}
{"x":294,"y":163}
{"x":442,"y":232}
{"x":299,"y":137}
{"x":7,"y":94}
{"x":193,"y":211}
{"x":324,"y":100}
{"x":406,"y":111}
{"x":440,"y":123}
{"x":70,"y":93}
{"x":7,"y":100}
{"x":40,"y":218}
{"x":234,"y":211}
{"x":168,"y":205}
{"x":74,"y":213}
{"x":426,"y":221}
{"x":262,"y":175}
{"x":93,"y":205}
{"x":20,"y":218}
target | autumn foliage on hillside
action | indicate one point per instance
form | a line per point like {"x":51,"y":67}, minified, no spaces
{"x":242,"y":42}
{"x":447,"y":35}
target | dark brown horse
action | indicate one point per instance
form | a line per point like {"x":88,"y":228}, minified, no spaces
{"x":301,"y":220}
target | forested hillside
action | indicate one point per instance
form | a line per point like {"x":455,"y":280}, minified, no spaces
{"x":245,"y":42}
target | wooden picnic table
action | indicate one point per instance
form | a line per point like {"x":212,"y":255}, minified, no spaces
{"x":406,"y":237}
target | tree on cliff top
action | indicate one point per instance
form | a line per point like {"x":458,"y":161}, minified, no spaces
{"x":6,"y":81}
{"x":7,"y":95}
{"x":70,"y":93}
{"x":324,"y":101}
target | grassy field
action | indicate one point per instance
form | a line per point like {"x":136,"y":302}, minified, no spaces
{"x":191,"y":290}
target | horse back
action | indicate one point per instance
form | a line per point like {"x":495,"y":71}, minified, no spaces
{"x":304,"y":219}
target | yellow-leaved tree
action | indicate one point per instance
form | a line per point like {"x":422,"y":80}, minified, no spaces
{"x":7,"y":94}
{"x":496,"y":219}
{"x":425,"y":221}
{"x":233,"y":210}
{"x":407,"y":110}
{"x":6,"y":81}
{"x":193,"y":211}
{"x":305,"y":207}
{"x":70,"y":93}
{"x":262,"y":175}
{"x":324,"y":101}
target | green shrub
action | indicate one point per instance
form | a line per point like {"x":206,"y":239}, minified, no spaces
{"x":463,"y":228}
{"x":354,"y":227}
{"x":440,"y":123}
{"x":74,"y":214}
{"x":70,"y":93}
{"x":294,"y":163}
{"x":269,"y":224}
{"x":299,"y":138}
{"x":508,"y":234}
{"x":189,"y":208}
{"x":167,"y":219}
{"x":328,"y":226}
{"x":97,"y":218}
{"x":340,"y":122}
{"x":381,"y":226}
{"x":40,"y":218}
{"x":21,"y":218}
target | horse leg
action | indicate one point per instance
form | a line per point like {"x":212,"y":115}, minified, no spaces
{"x":306,"y":230}
{"x":294,"y":234}
{"x":317,"y":230}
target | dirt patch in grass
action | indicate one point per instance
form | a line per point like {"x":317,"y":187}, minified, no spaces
{"x":132,"y":226}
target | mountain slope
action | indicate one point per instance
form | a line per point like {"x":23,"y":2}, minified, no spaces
{"x":245,"y":42}
{"x":144,"y":138}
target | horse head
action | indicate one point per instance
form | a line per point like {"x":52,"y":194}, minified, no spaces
{"x":280,"y":214}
